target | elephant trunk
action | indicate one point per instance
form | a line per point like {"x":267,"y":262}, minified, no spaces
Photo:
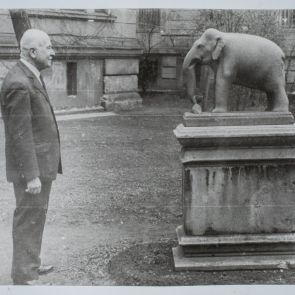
{"x":189,"y":69}
{"x":187,"y":61}
{"x":190,"y":60}
{"x":189,"y":82}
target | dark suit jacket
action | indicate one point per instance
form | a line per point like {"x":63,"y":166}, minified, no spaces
{"x":32,"y":139}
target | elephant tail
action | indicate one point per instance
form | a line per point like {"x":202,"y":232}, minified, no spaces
{"x":283,"y":61}
{"x":284,"y":67}
{"x":283,"y":57}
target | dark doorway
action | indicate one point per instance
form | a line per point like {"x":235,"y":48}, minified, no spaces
{"x":72,"y":78}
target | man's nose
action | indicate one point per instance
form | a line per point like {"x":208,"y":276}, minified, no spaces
{"x":52,"y":52}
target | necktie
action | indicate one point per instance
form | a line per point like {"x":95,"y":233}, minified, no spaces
{"x":47,"y":98}
{"x":42,"y":81}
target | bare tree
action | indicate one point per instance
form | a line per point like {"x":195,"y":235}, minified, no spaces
{"x":150,"y":37}
{"x":20,"y":22}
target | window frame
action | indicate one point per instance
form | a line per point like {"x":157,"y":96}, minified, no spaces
{"x":143,"y":13}
{"x":287,"y":18}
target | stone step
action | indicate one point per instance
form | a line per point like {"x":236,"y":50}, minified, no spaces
{"x":228,"y":262}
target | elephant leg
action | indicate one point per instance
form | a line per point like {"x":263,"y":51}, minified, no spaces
{"x":270,"y":101}
{"x":277,"y":100}
{"x":222,"y":88}
{"x":280,"y":100}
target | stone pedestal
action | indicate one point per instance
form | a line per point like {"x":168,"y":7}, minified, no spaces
{"x":238,"y":191}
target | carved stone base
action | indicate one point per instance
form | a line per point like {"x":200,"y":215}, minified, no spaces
{"x":232,"y":252}
{"x":238,"y":192}
{"x":238,"y":179}
{"x":182,"y":263}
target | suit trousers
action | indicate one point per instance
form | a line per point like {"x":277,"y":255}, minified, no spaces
{"x":27,"y":231}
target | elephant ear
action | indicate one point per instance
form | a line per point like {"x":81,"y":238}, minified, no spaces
{"x":218,"y":48}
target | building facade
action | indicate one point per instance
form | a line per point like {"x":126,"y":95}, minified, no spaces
{"x":97,"y":56}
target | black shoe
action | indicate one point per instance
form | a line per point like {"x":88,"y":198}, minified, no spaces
{"x":45,"y":269}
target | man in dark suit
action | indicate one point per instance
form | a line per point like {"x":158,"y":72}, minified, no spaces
{"x":32,"y":151}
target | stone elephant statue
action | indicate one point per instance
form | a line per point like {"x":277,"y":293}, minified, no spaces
{"x":241,"y":59}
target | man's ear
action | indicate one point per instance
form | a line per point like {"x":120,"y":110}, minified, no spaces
{"x":218,"y":48}
{"x":32,"y":52}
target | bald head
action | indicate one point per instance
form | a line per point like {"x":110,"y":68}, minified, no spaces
{"x":33,"y":38}
{"x":36,"y":48}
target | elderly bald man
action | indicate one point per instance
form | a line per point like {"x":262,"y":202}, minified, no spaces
{"x":32,"y":150}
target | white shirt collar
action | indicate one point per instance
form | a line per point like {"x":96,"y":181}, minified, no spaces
{"x":32,"y":68}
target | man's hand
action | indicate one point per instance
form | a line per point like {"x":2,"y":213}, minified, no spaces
{"x":34,"y":186}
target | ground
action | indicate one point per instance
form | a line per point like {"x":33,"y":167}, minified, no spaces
{"x":113,"y":213}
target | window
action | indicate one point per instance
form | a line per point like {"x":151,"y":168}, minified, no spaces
{"x":287,"y":18}
{"x":148,"y":19}
{"x":148,"y":72}
{"x":72,"y":78}
{"x":169,"y":67}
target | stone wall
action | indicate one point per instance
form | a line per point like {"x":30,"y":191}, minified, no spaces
{"x":121,"y":84}
{"x":117,"y":33}
{"x":89,"y":84}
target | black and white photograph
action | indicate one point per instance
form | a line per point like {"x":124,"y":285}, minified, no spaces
{"x":147,"y":146}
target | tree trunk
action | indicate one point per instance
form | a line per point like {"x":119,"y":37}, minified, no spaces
{"x":20,"y":22}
